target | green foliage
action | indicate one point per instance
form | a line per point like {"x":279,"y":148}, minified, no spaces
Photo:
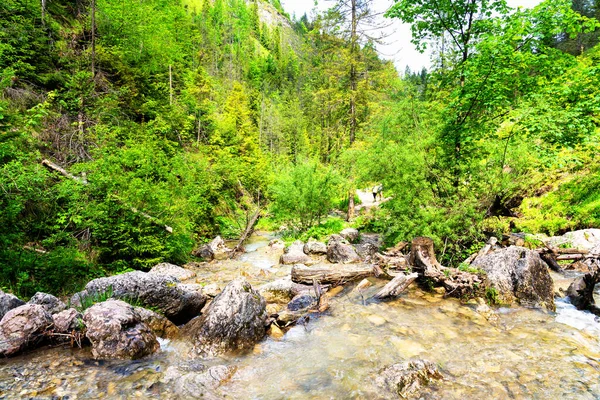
{"x":304,"y":194}
{"x":88,"y":300}
{"x":491,"y":296}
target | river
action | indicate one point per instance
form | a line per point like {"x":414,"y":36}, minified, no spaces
{"x":525,"y":354}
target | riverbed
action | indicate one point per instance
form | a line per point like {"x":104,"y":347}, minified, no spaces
{"x":524,"y":354}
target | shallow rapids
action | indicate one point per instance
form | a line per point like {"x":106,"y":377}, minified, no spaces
{"x":526,"y":354}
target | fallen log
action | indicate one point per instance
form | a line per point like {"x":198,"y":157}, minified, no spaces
{"x":564,"y":257}
{"x":396,"y":286}
{"x":550,"y":259}
{"x":247,"y":232}
{"x":331,"y":273}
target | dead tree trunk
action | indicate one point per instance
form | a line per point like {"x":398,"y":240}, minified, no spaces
{"x":247,"y":232}
{"x":457,"y":283}
{"x":396,"y":286}
{"x":331,"y":273}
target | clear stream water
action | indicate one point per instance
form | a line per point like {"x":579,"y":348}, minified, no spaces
{"x":526,"y":354}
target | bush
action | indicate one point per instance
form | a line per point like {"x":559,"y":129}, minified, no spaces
{"x":304,"y":194}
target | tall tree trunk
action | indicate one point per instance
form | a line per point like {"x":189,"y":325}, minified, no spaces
{"x":353,"y":74}
{"x":351,"y":210}
{"x":170,"y":85}
{"x":93,"y":38}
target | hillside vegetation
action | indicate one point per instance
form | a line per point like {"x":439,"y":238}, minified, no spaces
{"x":189,"y":114}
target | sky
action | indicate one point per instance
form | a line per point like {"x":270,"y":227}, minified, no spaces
{"x":399,"y":48}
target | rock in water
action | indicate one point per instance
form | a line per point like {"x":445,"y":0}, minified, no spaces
{"x":8,"y":302}
{"x":406,"y":379}
{"x":159,"y":325}
{"x":172,"y":270}
{"x":519,"y":274}
{"x":314,"y":247}
{"x":178,"y":302}
{"x":68,"y":320}
{"x":581,"y":292}
{"x":215,"y":249}
{"x":116,"y":330}
{"x":301,"y":302}
{"x":350,"y":234}
{"x":235,"y":320}
{"x":52,"y":304}
{"x":340,"y":251}
{"x":282,"y":290}
{"x":294,"y":254}
{"x":22,"y":327}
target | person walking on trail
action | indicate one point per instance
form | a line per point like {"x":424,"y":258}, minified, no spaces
{"x":377,"y":190}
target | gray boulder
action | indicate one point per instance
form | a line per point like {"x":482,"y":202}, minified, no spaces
{"x":116,"y":330}
{"x":235,"y":320}
{"x":67,"y":321}
{"x":406,"y":379}
{"x":294,"y":254}
{"x":350,"y":234}
{"x":216,"y":249}
{"x":301,"y":302}
{"x":172,"y":270}
{"x":519,"y":275}
{"x":51,"y":303}
{"x":314,"y":247}
{"x":282,"y":290}
{"x":8,"y":301}
{"x":22,"y":328}
{"x":174,"y":300}
{"x":340,"y":251}
{"x":197,"y":380}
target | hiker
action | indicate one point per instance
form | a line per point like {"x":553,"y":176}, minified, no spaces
{"x":377,"y":190}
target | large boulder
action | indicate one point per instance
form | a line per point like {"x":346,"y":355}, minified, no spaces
{"x":67,"y":321}
{"x":350,"y":234}
{"x":116,"y":330}
{"x":8,"y":301}
{"x":51,"y":303}
{"x":235,"y":320}
{"x":172,"y":270}
{"x":584,"y":239}
{"x":314,"y":247}
{"x":294,"y":254}
{"x":282,"y":290}
{"x":406,"y":379}
{"x":174,"y":300}
{"x":518,"y":275}
{"x":340,"y":251}
{"x":22,"y":327}
{"x":216,"y":249}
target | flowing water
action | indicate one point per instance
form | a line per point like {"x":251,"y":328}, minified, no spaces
{"x":525,"y":354}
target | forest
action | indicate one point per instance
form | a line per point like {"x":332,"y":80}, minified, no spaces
{"x":133,"y":132}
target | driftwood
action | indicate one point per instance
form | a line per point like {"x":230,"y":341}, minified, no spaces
{"x":82,"y":179}
{"x":331,"y":273}
{"x":581,"y":291}
{"x":564,"y":257}
{"x":457,"y":283}
{"x":396,"y":286}
{"x":550,"y":259}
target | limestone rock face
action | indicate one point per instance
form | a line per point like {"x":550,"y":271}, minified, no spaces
{"x":314,"y":247}
{"x":235,"y":320}
{"x":406,"y":379}
{"x":176,"y":301}
{"x":116,"y":330}
{"x":294,"y":254}
{"x":67,"y":321}
{"x":22,"y":327}
{"x":52,"y":304}
{"x":519,"y":275}
{"x":8,"y":301}
{"x":340,"y":251}
{"x":172,"y":270}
